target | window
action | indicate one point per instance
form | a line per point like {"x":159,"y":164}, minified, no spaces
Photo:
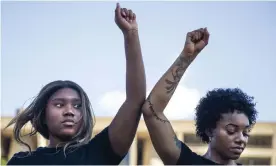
{"x":260,"y":141}
{"x":254,"y":161}
{"x":140,"y":150}
{"x":192,"y":139}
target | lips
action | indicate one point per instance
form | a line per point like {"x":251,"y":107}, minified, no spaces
{"x":68,"y":122}
{"x":238,"y":150}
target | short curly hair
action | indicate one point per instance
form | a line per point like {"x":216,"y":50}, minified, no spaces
{"x":219,"y":101}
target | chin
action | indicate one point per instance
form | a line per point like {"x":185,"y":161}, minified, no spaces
{"x":67,"y":134}
{"x":235,"y":156}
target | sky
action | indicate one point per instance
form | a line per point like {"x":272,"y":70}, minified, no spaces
{"x":79,"y":41}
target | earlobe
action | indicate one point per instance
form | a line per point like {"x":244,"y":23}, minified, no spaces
{"x":209,"y":133}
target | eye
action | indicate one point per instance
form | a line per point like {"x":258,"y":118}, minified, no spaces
{"x":230,"y":130}
{"x":58,"y":105}
{"x":77,"y":106}
{"x":246,"y":133}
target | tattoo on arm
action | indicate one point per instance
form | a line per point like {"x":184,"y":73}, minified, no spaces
{"x":177,"y":142}
{"x":181,"y":66}
{"x":154,"y":113}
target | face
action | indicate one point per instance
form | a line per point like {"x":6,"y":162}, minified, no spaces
{"x":63,"y":114}
{"x":231,"y":135}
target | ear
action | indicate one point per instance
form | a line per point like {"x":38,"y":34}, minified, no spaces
{"x":209,"y":132}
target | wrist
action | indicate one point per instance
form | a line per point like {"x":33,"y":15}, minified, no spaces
{"x":130,"y":32}
{"x":188,"y":58}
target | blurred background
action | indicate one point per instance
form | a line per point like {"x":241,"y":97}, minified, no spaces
{"x":79,"y":41}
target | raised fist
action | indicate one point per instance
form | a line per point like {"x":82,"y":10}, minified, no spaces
{"x":195,"y":42}
{"x":125,"y":19}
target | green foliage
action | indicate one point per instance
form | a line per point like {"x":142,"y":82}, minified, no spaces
{"x":3,"y":161}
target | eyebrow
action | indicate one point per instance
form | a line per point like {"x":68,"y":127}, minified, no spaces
{"x":64,"y":99}
{"x":231,"y":124}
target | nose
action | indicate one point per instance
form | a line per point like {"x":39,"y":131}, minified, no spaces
{"x":241,"y":139}
{"x":69,"y":111}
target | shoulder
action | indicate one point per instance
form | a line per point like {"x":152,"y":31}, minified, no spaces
{"x":22,"y":154}
{"x":101,"y":137}
{"x":20,"y":158}
{"x":100,"y":150}
{"x":188,"y":157}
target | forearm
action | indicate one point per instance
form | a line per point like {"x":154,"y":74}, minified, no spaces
{"x":124,"y":126}
{"x":135,"y":72}
{"x":161,"y":132}
{"x":164,"y":139}
{"x":165,"y":87}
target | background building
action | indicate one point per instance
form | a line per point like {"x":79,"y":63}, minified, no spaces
{"x":261,"y":148}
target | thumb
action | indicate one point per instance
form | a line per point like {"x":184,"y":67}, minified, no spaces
{"x":206,"y":36}
{"x":118,"y":10}
{"x":189,"y":37}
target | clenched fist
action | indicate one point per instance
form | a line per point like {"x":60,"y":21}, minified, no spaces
{"x":195,"y":42}
{"x":125,"y":19}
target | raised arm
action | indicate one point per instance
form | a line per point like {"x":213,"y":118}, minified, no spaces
{"x":123,"y":127}
{"x":161,"y":132}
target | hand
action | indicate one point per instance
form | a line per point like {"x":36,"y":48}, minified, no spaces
{"x":195,"y":42}
{"x":125,"y":19}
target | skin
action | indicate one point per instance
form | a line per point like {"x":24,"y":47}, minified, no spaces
{"x":232,"y":131}
{"x":161,"y":132}
{"x":63,"y":105}
{"x":123,"y":127}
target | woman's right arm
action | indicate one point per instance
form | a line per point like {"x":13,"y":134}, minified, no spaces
{"x":161,"y":131}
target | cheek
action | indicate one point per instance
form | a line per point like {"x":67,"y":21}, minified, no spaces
{"x":53,"y":115}
{"x":79,"y":115}
{"x":224,"y":139}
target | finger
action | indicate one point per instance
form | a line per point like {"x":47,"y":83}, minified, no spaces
{"x":200,"y":46}
{"x":130,"y":14}
{"x":194,"y":34}
{"x":127,"y":12}
{"x":206,"y":36}
{"x":189,"y":37}
{"x":134,"y":16}
{"x":124,"y":12}
{"x":199,"y":33}
{"x":118,"y":9}
{"x":201,"y":30}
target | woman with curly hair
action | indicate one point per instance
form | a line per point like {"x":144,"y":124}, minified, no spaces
{"x":224,"y":117}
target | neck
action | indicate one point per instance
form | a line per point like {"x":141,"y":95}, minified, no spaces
{"x":55,"y":142}
{"x":212,"y":155}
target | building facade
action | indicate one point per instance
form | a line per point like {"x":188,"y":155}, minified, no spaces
{"x":261,"y":148}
